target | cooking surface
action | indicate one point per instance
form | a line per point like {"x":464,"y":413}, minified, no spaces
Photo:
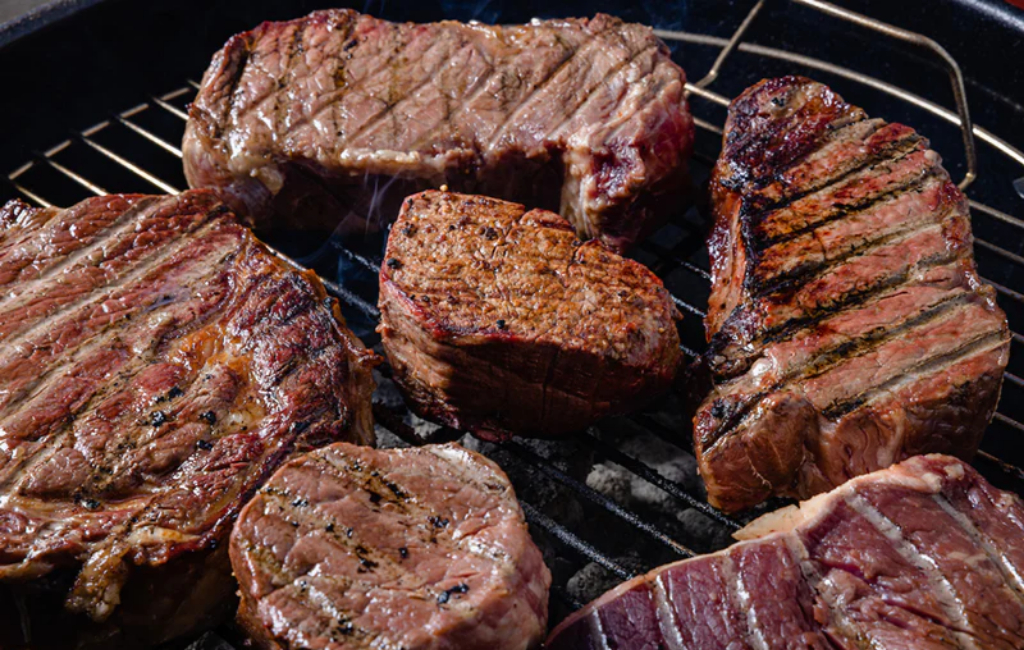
{"x":622,"y":497}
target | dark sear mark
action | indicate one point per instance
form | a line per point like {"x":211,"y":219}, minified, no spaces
{"x":329,"y":527}
{"x":175,"y":393}
{"x":447,"y":594}
{"x":374,"y":497}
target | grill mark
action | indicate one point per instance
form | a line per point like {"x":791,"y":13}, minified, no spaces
{"x":26,"y":229}
{"x":464,"y":102}
{"x":895,"y":151}
{"x":808,"y":272}
{"x":14,"y":475}
{"x":933,"y":363}
{"x":267,"y":559}
{"x":379,"y":118}
{"x":839,"y":212}
{"x":835,"y":356}
{"x":463,"y":544}
{"x":335,"y":94}
{"x":838,"y":135}
{"x":333,"y":533}
{"x":289,"y":72}
{"x":100,"y":238}
{"x":154,"y":257}
{"x":130,"y":281}
{"x":229,"y":113}
{"x":619,"y":67}
{"x":939,"y":584}
{"x":668,"y":621}
{"x":851,"y":302}
{"x":97,"y":487}
{"x":1010,"y":573}
{"x":525,"y":101}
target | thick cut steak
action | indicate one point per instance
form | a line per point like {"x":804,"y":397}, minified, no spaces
{"x":848,"y":326}
{"x":313,"y":118}
{"x":923,"y":555}
{"x":157,"y":364}
{"x":420,"y":548}
{"x":498,"y":320}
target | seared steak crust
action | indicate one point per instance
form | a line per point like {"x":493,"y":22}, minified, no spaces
{"x":922,"y":555}
{"x":311,"y":117}
{"x":848,"y":326}
{"x":498,"y":320}
{"x":157,"y":363}
{"x":421,"y":548}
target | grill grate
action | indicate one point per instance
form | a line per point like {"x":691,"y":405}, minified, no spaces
{"x":135,"y":149}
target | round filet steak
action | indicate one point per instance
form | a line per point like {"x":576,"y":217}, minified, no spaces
{"x":421,"y":548}
{"x":499,"y":321}
{"x":157,"y":364}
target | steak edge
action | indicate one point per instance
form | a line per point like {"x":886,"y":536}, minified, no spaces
{"x":416,"y":548}
{"x":157,"y":364}
{"x":312,"y":118}
{"x":498,"y":320}
{"x":925,"y":555}
{"x":848,"y":327}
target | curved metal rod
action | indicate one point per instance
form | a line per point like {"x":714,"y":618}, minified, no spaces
{"x":955,"y":75}
{"x":983,"y":134}
{"x":730,"y":46}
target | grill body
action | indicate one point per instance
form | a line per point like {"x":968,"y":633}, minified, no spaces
{"x":96,"y":94}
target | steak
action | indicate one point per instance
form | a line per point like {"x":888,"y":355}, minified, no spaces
{"x":923,"y":555}
{"x":157,"y":364}
{"x":848,"y":326}
{"x":498,"y":320}
{"x":312,"y":118}
{"x":419,"y":548}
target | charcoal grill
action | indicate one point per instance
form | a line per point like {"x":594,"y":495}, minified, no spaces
{"x":621,"y":497}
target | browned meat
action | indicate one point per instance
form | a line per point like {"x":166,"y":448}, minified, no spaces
{"x":497,"y":320}
{"x":848,"y":326}
{"x":420,"y":548}
{"x":313,"y":118}
{"x":924,"y":555}
{"x":157,"y":363}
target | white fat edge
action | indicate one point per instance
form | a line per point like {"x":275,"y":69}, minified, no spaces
{"x":666,"y":614}
{"x":806,"y":512}
{"x":152,"y":535}
{"x":746,"y":604}
{"x":984,"y":541}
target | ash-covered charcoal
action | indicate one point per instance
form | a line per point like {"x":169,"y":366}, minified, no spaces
{"x":684,"y":524}
{"x":593,"y":579}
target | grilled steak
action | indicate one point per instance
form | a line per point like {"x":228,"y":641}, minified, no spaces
{"x":313,"y":117}
{"x":497,"y":320}
{"x":157,"y":363}
{"x":419,"y":548}
{"x":848,"y":326}
{"x":922,"y":555}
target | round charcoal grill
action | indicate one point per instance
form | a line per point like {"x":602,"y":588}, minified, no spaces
{"x":622,"y":497}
